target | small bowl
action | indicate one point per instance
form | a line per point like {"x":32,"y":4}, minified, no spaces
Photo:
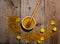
{"x":25,"y":19}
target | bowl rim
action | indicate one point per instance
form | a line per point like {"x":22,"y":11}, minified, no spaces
{"x":28,"y":28}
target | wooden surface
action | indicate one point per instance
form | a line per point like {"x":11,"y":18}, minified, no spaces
{"x":52,"y":11}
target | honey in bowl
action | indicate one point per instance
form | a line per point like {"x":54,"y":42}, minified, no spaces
{"x":26,"y":20}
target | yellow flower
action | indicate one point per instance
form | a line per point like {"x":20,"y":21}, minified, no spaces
{"x":27,"y":41}
{"x":42,"y":30}
{"x":55,"y":29}
{"x":53,"y":22}
{"x":39,"y":41}
{"x":18,"y":37}
{"x":42,"y":38}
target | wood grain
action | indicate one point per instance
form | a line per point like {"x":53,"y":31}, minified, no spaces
{"x":25,"y":8}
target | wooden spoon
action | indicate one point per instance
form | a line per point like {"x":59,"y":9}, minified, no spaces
{"x":33,"y":14}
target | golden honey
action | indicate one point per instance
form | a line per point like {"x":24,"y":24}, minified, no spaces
{"x":26,"y":20}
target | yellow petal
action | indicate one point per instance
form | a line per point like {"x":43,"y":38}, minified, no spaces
{"x":42,"y":38}
{"x":53,"y":22}
{"x":55,"y":29}
{"x":39,"y":41}
{"x":18,"y":37}
{"x":27,"y":41}
{"x":42,"y":30}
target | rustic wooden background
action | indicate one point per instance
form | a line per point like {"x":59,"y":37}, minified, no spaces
{"x":22,"y":8}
